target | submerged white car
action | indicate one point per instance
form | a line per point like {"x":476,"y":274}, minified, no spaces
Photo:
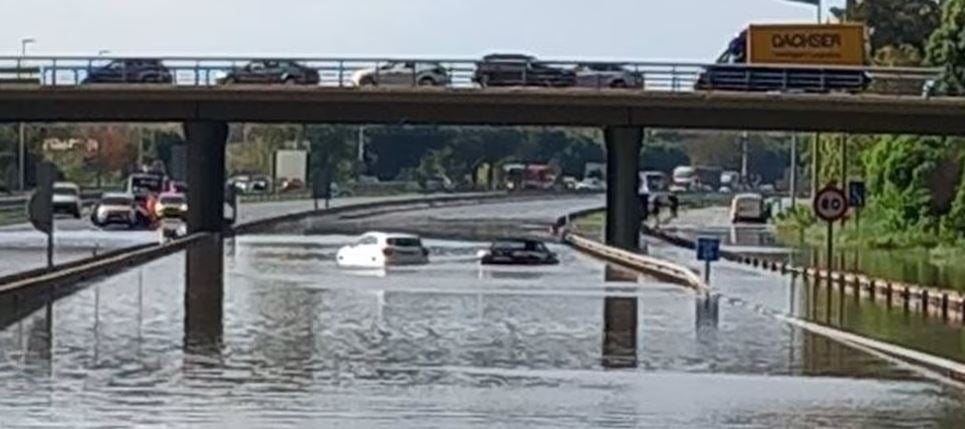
{"x":379,"y":250}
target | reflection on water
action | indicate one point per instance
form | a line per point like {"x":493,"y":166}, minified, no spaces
{"x":896,"y":325}
{"x":308,"y":345}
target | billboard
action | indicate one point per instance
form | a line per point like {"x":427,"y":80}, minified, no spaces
{"x":291,"y":164}
{"x":829,"y":44}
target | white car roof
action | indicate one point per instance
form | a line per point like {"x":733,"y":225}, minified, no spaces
{"x":117,"y":195}
{"x":382,"y":236}
{"x":748,"y":196}
{"x":66,"y":185}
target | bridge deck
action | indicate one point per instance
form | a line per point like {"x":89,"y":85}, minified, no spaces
{"x":509,"y":106}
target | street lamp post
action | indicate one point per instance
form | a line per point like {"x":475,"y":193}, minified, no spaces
{"x":22,"y":153}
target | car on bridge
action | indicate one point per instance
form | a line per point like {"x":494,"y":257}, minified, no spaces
{"x":67,"y":199}
{"x":517,"y":251}
{"x":114,"y":208}
{"x":403,"y":73}
{"x":607,"y":75}
{"x":272,"y":72}
{"x":380,"y":249}
{"x":520,"y":70}
{"x":130,"y":70}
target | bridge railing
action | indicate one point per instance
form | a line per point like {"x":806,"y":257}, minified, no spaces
{"x":460,"y":73}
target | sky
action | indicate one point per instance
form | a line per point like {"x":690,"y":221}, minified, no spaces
{"x":689,"y":30}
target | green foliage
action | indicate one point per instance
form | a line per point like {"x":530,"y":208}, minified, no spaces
{"x":895,"y":26}
{"x":946,"y":49}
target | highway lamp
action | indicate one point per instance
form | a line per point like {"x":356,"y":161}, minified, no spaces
{"x":22,"y":154}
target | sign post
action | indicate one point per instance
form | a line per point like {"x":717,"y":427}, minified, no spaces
{"x":856,"y":198}
{"x":830,"y":205}
{"x":40,"y":208}
{"x":708,"y":250}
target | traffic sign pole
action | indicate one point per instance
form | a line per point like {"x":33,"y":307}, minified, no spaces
{"x":830,"y":255}
{"x":830,"y":205}
{"x":708,"y":250}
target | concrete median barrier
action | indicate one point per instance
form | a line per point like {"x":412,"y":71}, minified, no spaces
{"x":642,"y":263}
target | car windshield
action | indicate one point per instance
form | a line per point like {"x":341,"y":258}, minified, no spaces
{"x":173,"y":200}
{"x":64,"y":190}
{"x":404,"y":242}
{"x":116,"y":201}
{"x":145,"y":184}
{"x":509,"y":245}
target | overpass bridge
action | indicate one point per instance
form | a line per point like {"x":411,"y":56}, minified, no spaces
{"x":665,"y":98}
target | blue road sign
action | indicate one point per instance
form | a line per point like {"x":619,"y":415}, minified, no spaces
{"x":856,"y":194}
{"x":708,"y":249}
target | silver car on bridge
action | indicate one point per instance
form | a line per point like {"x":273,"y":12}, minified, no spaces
{"x":403,"y":73}
{"x":607,"y":75}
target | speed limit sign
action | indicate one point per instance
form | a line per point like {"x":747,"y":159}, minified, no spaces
{"x":830,"y":204}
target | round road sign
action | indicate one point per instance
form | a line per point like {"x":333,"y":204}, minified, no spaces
{"x":830,"y":204}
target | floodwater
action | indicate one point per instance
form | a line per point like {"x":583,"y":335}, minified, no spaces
{"x":451,"y":344}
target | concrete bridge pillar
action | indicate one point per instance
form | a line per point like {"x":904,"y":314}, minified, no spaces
{"x":623,"y":209}
{"x":204,"y":268}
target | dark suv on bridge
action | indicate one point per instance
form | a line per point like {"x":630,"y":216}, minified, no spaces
{"x":520,"y":70}
{"x":272,"y":71}
{"x":131,"y":70}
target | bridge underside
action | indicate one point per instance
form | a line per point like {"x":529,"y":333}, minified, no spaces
{"x":592,"y":108}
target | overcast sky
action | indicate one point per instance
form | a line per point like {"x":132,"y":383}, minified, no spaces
{"x":631,"y":29}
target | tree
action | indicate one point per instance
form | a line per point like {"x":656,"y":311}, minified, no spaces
{"x":332,"y":150}
{"x":904,"y":25}
{"x":946,"y":49}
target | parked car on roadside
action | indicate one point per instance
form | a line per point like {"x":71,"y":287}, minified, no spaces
{"x":379,"y":249}
{"x":591,"y":184}
{"x":67,"y":199}
{"x":606,"y":75}
{"x":520,"y":70}
{"x":403,"y":73}
{"x":115,"y":209}
{"x":130,"y":70}
{"x":438,"y":183}
{"x":291,"y":185}
{"x":272,"y":72}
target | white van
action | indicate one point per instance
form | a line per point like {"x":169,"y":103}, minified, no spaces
{"x":748,"y":208}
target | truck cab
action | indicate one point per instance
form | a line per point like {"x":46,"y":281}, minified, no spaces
{"x":801,"y":58}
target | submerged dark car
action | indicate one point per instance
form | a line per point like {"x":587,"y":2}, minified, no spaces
{"x":518,"y":252}
{"x":270,"y":72}
{"x":130,"y":70}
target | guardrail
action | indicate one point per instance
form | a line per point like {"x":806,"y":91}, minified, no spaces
{"x":455,"y":72}
{"x":945,"y":304}
{"x":97,"y":266}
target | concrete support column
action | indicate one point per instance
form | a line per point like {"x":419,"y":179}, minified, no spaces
{"x":204,"y":268}
{"x":623,"y":209}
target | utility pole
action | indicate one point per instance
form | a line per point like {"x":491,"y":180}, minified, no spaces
{"x":793,"y":178}
{"x":23,"y":153}
{"x":360,"y":153}
{"x":744,"y":138}
{"x":844,"y":170}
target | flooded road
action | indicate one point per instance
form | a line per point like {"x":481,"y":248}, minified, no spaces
{"x":450,"y":344}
